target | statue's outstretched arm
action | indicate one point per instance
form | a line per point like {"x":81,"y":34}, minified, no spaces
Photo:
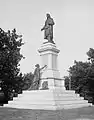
{"x":43,"y":67}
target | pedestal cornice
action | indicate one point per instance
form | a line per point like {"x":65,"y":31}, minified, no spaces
{"x":48,"y":47}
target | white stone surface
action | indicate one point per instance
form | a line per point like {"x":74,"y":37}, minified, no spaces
{"x":48,"y":100}
{"x":49,"y":53}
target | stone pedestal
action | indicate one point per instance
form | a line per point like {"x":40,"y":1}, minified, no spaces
{"x":49,"y":54}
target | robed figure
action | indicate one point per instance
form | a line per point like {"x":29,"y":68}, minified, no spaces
{"x":37,"y":77}
{"x":48,"y":28}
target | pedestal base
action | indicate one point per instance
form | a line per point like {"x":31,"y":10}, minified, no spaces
{"x":53,"y":99}
{"x":52,"y":83}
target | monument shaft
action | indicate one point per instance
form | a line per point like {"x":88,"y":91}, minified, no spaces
{"x":49,"y":56}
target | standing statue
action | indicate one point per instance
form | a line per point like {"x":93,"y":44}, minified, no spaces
{"x":37,"y":75}
{"x":48,"y":29}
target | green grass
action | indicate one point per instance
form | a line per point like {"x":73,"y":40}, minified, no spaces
{"x":25,"y":114}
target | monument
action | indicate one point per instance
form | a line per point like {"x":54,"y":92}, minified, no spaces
{"x":50,"y":92}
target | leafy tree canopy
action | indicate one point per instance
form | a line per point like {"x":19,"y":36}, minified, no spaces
{"x":27,"y":80}
{"x":81,"y":75}
{"x":10,"y":56}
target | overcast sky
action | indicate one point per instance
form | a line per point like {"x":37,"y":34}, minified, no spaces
{"x":73,"y":29}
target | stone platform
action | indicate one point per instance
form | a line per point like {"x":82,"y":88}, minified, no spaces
{"x":54,"y":99}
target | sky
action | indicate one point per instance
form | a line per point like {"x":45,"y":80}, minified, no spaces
{"x":73,"y":29}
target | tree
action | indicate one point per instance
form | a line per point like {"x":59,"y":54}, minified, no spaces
{"x":10,"y":56}
{"x":81,"y":75}
{"x":90,"y":55}
{"x":67,"y":82}
{"x":27,"y":80}
{"x":78,"y":73}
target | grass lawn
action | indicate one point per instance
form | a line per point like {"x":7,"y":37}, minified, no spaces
{"x":86,"y":113}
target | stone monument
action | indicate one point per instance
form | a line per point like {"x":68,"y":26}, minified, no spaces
{"x":51,"y":94}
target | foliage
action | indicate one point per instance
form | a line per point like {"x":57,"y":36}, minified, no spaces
{"x":10,"y":56}
{"x":90,"y":54}
{"x":27,"y":80}
{"x":81,"y":75}
{"x":78,"y":74}
{"x":67,"y":81}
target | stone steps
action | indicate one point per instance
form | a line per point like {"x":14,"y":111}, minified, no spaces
{"x":34,"y":106}
{"x":70,"y":106}
{"x":48,"y":91}
{"x":26,"y":101}
{"x":48,"y":99}
{"x":50,"y":95}
{"x":47,"y":107}
{"x":56,"y":98}
{"x":47,"y":103}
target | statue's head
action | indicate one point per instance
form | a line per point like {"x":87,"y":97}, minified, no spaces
{"x":48,"y":15}
{"x":37,"y":65}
